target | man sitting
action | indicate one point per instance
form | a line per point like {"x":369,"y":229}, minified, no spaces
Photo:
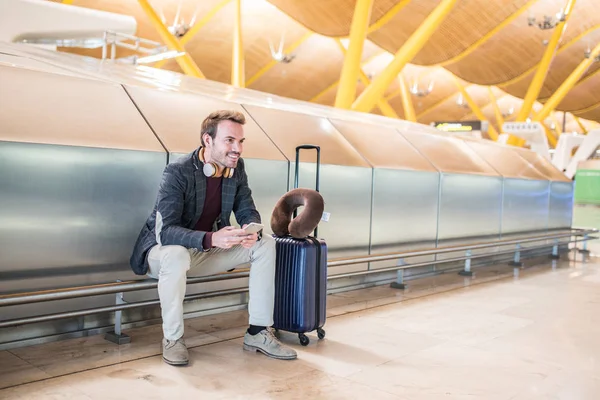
{"x":189,"y":230}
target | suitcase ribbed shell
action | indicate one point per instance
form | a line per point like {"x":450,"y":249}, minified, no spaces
{"x":300,"y":284}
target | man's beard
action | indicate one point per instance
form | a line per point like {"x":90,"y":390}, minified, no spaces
{"x":227,"y":161}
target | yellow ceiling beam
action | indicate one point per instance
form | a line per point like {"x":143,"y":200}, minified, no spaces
{"x":580,"y":82}
{"x":437,"y":104}
{"x":560,"y":50}
{"x":322,"y":92}
{"x":497,"y":112}
{"x":385,"y":18}
{"x":540,"y":74}
{"x":445,"y":99}
{"x":494,"y":103}
{"x":392,"y":95}
{"x":583,"y":128}
{"x":238,"y":76}
{"x":587,"y":109}
{"x":273,"y":62}
{"x":372,"y":28}
{"x":334,"y":84}
{"x":185,"y":61}
{"x":475,"y":108}
{"x":384,"y":106}
{"x":502,"y":85}
{"x":567,"y":85}
{"x":369,"y":97}
{"x":196,"y":28}
{"x":407,"y":104}
{"x":350,"y":69}
{"x":387,"y":109}
{"x":551,"y":138}
{"x":482,"y":40}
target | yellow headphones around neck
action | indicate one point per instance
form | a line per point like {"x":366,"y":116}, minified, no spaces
{"x":211,"y":169}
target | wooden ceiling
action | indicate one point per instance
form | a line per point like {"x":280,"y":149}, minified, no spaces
{"x":483,"y":43}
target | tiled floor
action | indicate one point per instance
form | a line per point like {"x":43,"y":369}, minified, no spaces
{"x":495,"y":336}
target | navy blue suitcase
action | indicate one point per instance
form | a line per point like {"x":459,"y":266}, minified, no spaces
{"x":300,"y":286}
{"x":301,"y":279}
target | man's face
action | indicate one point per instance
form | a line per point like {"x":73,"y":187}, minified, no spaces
{"x":227,"y":146}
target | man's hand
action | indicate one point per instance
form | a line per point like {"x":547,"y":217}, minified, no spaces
{"x":249,"y":239}
{"x":228,"y":237}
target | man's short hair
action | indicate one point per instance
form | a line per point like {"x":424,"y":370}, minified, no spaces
{"x":209,"y":125}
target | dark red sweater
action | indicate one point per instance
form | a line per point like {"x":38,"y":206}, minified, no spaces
{"x":211,"y":210}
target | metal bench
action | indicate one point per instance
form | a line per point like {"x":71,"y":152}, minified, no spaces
{"x":120,"y":287}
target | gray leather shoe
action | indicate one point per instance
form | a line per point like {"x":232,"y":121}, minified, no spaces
{"x":267,"y":343}
{"x":175,"y":352}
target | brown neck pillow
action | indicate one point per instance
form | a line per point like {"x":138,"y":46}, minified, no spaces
{"x":305,"y":223}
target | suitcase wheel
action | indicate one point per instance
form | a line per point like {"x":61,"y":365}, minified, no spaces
{"x":304,"y":341}
{"x":321,"y":333}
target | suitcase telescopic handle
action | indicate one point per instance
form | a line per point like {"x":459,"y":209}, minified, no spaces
{"x":307,"y":147}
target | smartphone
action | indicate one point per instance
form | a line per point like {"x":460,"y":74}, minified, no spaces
{"x":253,"y":227}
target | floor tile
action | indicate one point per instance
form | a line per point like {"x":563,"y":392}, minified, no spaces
{"x":498,"y":336}
{"x":15,"y":371}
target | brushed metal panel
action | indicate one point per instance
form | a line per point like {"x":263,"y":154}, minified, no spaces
{"x":347,"y":195}
{"x":526,"y":206}
{"x":504,"y":160}
{"x":179,"y":128}
{"x":74,"y":208}
{"x":291,"y":129}
{"x":65,"y":110}
{"x":405,"y":207}
{"x":561,"y":205}
{"x":388,"y":150}
{"x":470,"y":206}
{"x":449,"y":154}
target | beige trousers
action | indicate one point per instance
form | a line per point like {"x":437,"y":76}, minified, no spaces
{"x":172,"y":264}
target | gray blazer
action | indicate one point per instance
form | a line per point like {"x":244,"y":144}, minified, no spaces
{"x":179,"y":205}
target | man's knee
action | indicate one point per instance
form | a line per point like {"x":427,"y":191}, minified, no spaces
{"x":175,"y":259}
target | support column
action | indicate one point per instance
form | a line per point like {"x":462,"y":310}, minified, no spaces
{"x":116,"y":335}
{"x":467,"y":271}
{"x":542,"y":70}
{"x":384,"y":106}
{"x":350,"y":70}
{"x":185,"y":61}
{"x":567,"y":85}
{"x":475,"y":108}
{"x":237,"y":68}
{"x":407,"y":104}
{"x":555,"y":255}
{"x":583,"y":129}
{"x":516,"y":262}
{"x":367,"y":100}
{"x":497,"y":111}
{"x":196,"y":28}
{"x":551,"y":138}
